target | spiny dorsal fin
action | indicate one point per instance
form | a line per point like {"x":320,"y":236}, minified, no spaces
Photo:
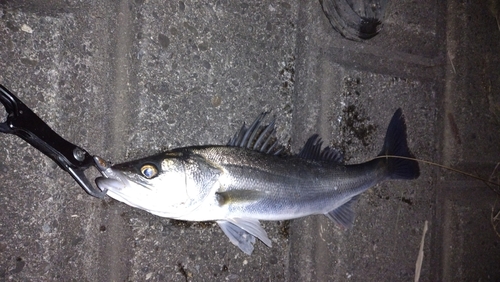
{"x":312,"y":151}
{"x":257,"y":137}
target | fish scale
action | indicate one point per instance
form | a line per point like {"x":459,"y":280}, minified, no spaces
{"x":251,"y":179}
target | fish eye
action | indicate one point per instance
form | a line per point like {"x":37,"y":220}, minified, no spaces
{"x":149,"y":171}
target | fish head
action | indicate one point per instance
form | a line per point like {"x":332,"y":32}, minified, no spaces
{"x":158,"y":184}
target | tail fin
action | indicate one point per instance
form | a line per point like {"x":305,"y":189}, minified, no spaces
{"x":395,"y":144}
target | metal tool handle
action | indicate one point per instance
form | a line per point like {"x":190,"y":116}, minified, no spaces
{"x":23,"y":122}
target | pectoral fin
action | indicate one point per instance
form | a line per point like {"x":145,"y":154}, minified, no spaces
{"x":242,"y":233}
{"x":239,"y":196}
{"x":344,"y":215}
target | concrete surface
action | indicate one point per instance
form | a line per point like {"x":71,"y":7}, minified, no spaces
{"x":126,"y":79}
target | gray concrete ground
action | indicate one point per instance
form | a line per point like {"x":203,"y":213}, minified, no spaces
{"x":126,"y":79}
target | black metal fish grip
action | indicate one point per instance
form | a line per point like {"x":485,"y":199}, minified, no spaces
{"x":24,"y":123}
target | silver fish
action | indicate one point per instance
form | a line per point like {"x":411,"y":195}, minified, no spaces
{"x":250,"y":180}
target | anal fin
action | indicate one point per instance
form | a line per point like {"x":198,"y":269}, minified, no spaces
{"x":344,"y":215}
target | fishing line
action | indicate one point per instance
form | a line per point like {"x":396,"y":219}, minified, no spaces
{"x":486,"y":181}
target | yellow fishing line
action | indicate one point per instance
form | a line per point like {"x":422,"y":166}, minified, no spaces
{"x":486,"y":181}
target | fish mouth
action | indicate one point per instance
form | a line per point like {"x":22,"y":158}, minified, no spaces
{"x":117,"y":185}
{"x":124,"y":185}
{"x":109,"y":184}
{"x":111,"y":180}
{"x":117,"y":189}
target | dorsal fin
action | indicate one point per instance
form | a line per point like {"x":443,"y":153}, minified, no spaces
{"x":257,"y":137}
{"x":312,"y":151}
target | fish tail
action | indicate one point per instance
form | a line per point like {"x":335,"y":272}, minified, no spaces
{"x":395,"y":144}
